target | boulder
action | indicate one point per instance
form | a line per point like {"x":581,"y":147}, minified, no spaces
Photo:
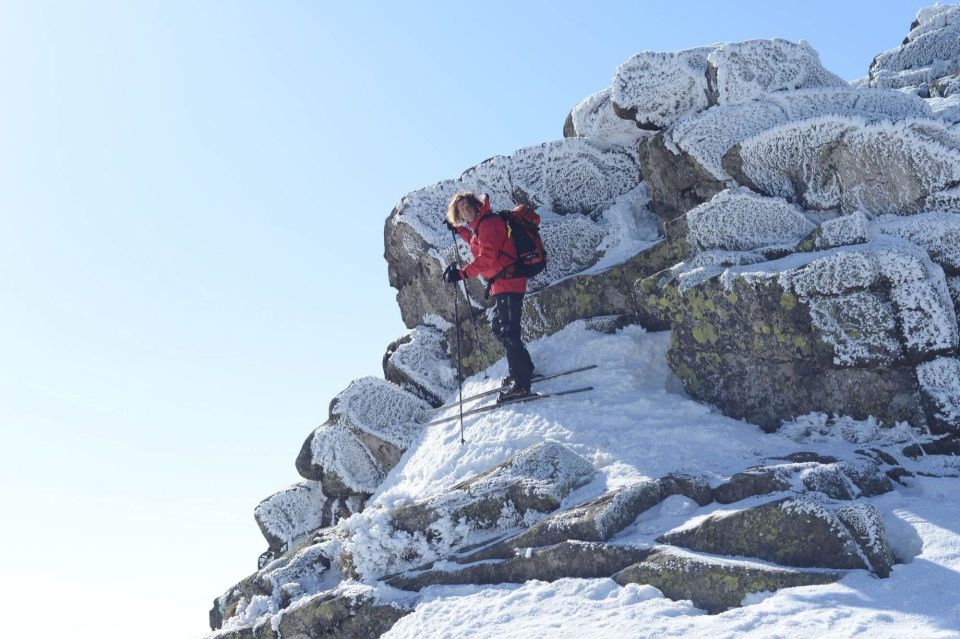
{"x":930,"y":51}
{"x":598,"y":519}
{"x":797,"y":531}
{"x":568,"y":559}
{"x":711,"y":583}
{"x":530,"y":483}
{"x":596,"y":117}
{"x":839,"y":331}
{"x":287,"y":516}
{"x":740,"y":220}
{"x":842,"y":162}
{"x":744,"y":71}
{"x":654,"y":88}
{"x":418,"y":363}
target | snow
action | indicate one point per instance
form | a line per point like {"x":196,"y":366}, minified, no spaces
{"x":747,"y":70}
{"x":740,"y":220}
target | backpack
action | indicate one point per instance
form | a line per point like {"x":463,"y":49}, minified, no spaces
{"x":523,"y":227}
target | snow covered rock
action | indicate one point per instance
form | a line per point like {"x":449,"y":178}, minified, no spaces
{"x":298,"y":510}
{"x":528,"y":484}
{"x":348,"y":612}
{"x":371,"y":424}
{"x":300,"y":571}
{"x":836,"y":331}
{"x":838,"y":480}
{"x":595,"y":117}
{"x":601,"y":518}
{"x":418,"y":362}
{"x":714,"y":584}
{"x":568,"y":559}
{"x":654,"y":88}
{"x":537,"y":478}
{"x":930,"y":51}
{"x":740,"y":220}
{"x":844,"y":163}
{"x":798,"y":531}
{"x":742,"y":71}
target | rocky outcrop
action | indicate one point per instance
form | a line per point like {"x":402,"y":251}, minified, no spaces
{"x":713,"y":584}
{"x":371,"y":423}
{"x":347,"y":613}
{"x":568,"y":559}
{"x":844,"y":480}
{"x":598,"y":519}
{"x":418,"y":362}
{"x":289,"y":515}
{"x":930,"y":52}
{"x":797,"y":531}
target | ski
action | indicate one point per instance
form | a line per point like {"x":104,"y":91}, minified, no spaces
{"x":536,"y":380}
{"x":529,"y":398}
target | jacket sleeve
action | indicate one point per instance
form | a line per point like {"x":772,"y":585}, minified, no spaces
{"x":487,"y":261}
{"x":464,"y":233}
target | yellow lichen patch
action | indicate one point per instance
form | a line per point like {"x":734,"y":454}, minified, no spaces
{"x":788,"y":301}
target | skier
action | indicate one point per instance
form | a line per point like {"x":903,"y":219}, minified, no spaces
{"x":494,"y":255}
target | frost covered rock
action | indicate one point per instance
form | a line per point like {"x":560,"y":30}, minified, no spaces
{"x":537,"y":478}
{"x":838,"y":331}
{"x":739,"y":220}
{"x":714,"y":584}
{"x":940,"y":388}
{"x":707,"y":137}
{"x":418,"y":362}
{"x":930,"y":51}
{"x":532,"y":482}
{"x":799,"y":531}
{"x":865,"y":523}
{"x":601,"y":518}
{"x":743,"y":71}
{"x":568,"y":559}
{"x":347,"y":612}
{"x":838,"y":480}
{"x":595,"y":117}
{"x":654,"y":88}
{"x":845,"y":163}
{"x":372,"y":422}
{"x":334,"y":455}
{"x":937,"y":232}
{"x":298,"y":510}
{"x":300,"y":571}
{"x":376,"y":407}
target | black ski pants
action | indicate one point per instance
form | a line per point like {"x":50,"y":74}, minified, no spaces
{"x":506,"y":327}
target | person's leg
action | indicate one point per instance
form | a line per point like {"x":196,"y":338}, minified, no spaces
{"x":507,"y":314}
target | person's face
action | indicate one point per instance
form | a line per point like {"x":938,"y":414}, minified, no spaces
{"x":466,"y":210}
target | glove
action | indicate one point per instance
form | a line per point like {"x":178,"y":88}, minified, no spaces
{"x":450,"y":227}
{"x":452,"y":274}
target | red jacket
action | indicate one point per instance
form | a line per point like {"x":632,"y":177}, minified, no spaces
{"x":492,"y":250}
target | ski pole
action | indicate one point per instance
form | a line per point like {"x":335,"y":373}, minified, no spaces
{"x":473,"y":320}
{"x":456,"y":316}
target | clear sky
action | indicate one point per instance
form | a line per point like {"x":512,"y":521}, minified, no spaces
{"x":192,"y":197}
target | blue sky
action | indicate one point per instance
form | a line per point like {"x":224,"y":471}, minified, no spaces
{"x":192,"y":199}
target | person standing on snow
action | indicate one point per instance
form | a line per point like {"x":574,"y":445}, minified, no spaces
{"x":494,"y":255}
